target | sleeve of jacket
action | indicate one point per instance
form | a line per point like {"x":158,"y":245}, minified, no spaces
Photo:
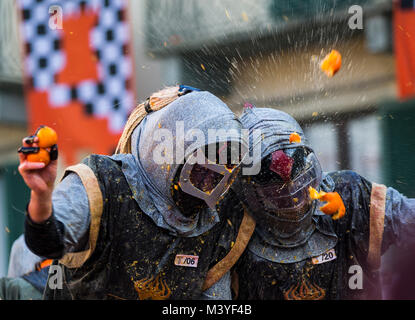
{"x":221,"y":290}
{"x":398,"y":213}
{"x":399,"y":219}
{"x":67,"y":229}
{"x":354,"y":227}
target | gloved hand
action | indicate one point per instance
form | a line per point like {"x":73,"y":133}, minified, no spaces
{"x":46,"y":148}
{"x":38,"y":167}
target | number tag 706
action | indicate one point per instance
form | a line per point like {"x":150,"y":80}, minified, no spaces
{"x":186,"y":260}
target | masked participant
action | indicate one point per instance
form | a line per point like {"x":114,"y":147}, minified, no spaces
{"x":297,"y":252}
{"x":26,"y":276}
{"x":145,"y":223}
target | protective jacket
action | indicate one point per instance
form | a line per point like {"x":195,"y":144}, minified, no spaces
{"x":133,"y":258}
{"x":116,"y":230}
{"x":316,"y":257}
{"x":349,"y":270}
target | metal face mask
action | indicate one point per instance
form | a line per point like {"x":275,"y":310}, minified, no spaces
{"x":173,"y":133}
{"x":281,"y":187}
{"x":277,"y":196}
{"x":209,"y":178}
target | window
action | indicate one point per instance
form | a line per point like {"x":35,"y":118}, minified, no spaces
{"x":349,"y":142}
{"x":323,"y":139}
{"x":365,"y":145}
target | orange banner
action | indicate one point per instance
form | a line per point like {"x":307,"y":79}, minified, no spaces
{"x":78,"y":72}
{"x":404,"y":34}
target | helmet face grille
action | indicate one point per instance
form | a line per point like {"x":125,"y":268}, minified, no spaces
{"x":289,"y":199}
{"x":209,"y":179}
{"x":204,"y":179}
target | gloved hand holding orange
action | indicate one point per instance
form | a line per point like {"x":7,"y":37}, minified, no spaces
{"x":42,"y":146}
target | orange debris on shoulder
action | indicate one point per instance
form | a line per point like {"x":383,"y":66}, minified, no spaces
{"x":295,"y":137}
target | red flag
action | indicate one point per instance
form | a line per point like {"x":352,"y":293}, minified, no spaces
{"x":78,"y":72}
{"x":404,"y":33}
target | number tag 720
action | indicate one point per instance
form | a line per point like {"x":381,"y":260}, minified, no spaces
{"x":325,"y":257}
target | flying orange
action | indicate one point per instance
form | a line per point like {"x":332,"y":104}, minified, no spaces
{"x":331,"y":63}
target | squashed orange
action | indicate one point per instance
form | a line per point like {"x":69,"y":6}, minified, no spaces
{"x":314,"y":194}
{"x":334,"y":206}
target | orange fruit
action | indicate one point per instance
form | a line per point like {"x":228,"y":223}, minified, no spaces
{"x":331,"y":63}
{"x":47,"y":137}
{"x":41,"y":156}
